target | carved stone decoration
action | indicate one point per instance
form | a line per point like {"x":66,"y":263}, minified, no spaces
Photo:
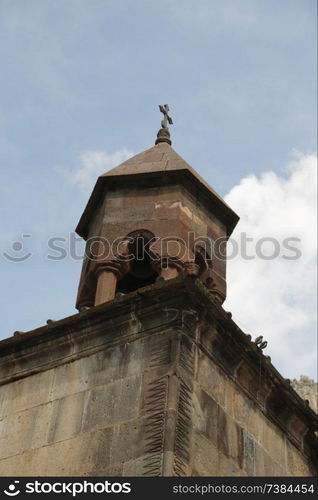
{"x":182,"y":447}
{"x":154,"y":410}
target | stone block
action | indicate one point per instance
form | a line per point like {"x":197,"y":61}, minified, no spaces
{"x":25,"y":430}
{"x":114,"y":470}
{"x":25,"y":393}
{"x":296,"y":464}
{"x":228,"y":467}
{"x":69,"y":379}
{"x":235,"y":441}
{"x":211,"y":380}
{"x":31,"y":462}
{"x":273,"y":441}
{"x":66,"y":417}
{"x":247,"y":414}
{"x":10,"y":466}
{"x":86,"y":453}
{"x":265,"y":465}
{"x":249,"y":453}
{"x":113,"y":403}
{"x":206,"y":416}
{"x":127,"y":441}
{"x":5,"y":399}
{"x":205,"y":456}
{"x":133,"y":467}
{"x":100,"y":368}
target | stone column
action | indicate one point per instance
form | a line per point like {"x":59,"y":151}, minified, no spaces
{"x":106,"y":286}
{"x":107,"y":275}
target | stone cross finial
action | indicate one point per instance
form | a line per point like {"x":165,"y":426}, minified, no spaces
{"x":164,"y":108}
{"x":164,"y":134}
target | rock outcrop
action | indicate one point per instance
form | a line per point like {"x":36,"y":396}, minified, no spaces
{"x":307,"y":388}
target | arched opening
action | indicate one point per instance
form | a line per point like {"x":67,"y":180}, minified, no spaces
{"x":141,"y":271}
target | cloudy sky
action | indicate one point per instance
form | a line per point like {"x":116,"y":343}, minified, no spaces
{"x":79,"y":92}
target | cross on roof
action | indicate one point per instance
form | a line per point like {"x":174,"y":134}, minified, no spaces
{"x":164,"y":108}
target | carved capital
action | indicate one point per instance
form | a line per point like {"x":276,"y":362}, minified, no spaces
{"x":118,"y":267}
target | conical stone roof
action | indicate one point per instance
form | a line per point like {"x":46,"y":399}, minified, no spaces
{"x":157,"y":160}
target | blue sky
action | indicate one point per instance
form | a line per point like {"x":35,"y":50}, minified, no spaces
{"x":80,"y":87}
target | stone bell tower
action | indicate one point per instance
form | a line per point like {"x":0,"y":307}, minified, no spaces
{"x":153,"y":216}
{"x":151,"y":377}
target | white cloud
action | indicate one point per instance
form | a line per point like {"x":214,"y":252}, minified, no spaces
{"x":277,"y":298}
{"x":95,"y":163}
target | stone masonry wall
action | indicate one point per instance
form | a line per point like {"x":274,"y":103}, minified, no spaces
{"x":86,"y":417}
{"x":232,"y":436}
{"x":136,"y":387}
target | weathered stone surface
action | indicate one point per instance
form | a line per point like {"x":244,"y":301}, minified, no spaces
{"x":148,"y":389}
{"x":249,"y":447}
{"x":67,"y":417}
{"x":307,"y":389}
{"x":112,"y":403}
{"x":24,"y":430}
{"x":25,"y":393}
